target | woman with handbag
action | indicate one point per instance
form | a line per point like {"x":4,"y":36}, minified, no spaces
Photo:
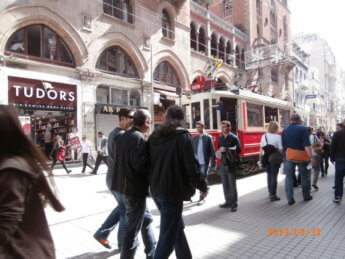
{"x":271,"y":152}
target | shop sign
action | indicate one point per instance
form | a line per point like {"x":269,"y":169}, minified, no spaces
{"x":107,"y":109}
{"x":30,"y":93}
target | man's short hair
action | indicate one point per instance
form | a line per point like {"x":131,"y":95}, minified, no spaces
{"x":200,"y":123}
{"x":100,"y":133}
{"x":140,"y":116}
{"x":124,"y":112}
{"x":295,"y":117}
{"x":228,"y":123}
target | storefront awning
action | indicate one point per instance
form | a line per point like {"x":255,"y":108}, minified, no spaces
{"x":169,"y":95}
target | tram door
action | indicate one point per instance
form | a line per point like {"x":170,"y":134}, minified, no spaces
{"x":228,"y":112}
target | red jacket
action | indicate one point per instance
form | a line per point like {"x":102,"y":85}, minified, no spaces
{"x":60,"y":155}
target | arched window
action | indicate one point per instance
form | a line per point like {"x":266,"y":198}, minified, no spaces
{"x":202,"y":42}
{"x":166,"y":25}
{"x":193,"y":41}
{"x":115,"y":60}
{"x":273,"y":21}
{"x":38,"y":42}
{"x":166,"y":74}
{"x":221,"y":49}
{"x":229,"y":53}
{"x":214,"y":46}
{"x":121,"y":9}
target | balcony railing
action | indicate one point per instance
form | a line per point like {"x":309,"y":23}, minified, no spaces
{"x":196,"y":8}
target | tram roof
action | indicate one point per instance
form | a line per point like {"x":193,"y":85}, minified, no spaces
{"x":249,"y":96}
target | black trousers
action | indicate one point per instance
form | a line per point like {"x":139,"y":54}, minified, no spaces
{"x":324,"y":163}
{"x":85,"y":163}
{"x":99,"y":159}
{"x":62,"y":162}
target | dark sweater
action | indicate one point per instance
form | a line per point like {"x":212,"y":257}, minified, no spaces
{"x":174,"y":169}
{"x":338,"y":145}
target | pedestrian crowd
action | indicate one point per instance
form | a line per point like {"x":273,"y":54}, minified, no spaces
{"x":168,"y":165}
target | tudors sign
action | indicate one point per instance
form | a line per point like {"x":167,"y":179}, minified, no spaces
{"x":36,"y":93}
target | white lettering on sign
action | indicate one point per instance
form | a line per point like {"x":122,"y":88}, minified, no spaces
{"x":40,"y":93}
{"x":63,"y":96}
{"x":17,"y":87}
{"x":26,"y":92}
{"x":71,"y":96}
{"x":52,"y":94}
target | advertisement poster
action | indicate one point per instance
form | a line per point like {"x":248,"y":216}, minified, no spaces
{"x":26,"y":124}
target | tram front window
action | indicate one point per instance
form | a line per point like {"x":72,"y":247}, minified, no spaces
{"x":284,"y":118}
{"x":271,"y":114}
{"x":196,"y":114}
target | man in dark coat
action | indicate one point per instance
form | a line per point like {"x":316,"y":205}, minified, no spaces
{"x":204,"y":151}
{"x":173,"y":178}
{"x":131,"y":181}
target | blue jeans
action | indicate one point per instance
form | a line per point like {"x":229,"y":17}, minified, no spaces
{"x":229,"y":185}
{"x":137,"y":217}
{"x":339,"y":177}
{"x":204,"y":170}
{"x":171,"y":233}
{"x":117,"y":214}
{"x":305,"y":178}
{"x":272,"y":175}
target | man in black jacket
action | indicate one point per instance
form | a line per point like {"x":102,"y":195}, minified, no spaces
{"x":174,"y":176}
{"x":338,"y":156}
{"x":228,"y":175}
{"x":204,"y":151}
{"x":131,"y":181}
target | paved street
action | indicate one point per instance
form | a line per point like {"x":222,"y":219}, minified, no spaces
{"x":259,"y":229}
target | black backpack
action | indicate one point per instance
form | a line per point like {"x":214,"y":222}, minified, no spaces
{"x":268,"y":150}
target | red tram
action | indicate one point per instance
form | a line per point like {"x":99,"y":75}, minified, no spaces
{"x":248,"y":112}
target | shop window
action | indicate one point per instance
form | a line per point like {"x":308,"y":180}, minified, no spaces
{"x":214,"y":46}
{"x":102,"y":94}
{"x":40,"y":42}
{"x":134,"y":98}
{"x":271,"y":114}
{"x":167,"y":28}
{"x":196,"y":114}
{"x":115,"y":60}
{"x":207,"y":113}
{"x":121,"y":9}
{"x":186,"y":110}
{"x":254,"y":115}
{"x":165,"y":73}
{"x":214,"y":114}
{"x":119,"y":97}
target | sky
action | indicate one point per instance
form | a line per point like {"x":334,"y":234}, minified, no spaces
{"x":325,"y":17}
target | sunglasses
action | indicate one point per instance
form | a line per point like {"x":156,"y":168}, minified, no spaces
{"x":129,"y":116}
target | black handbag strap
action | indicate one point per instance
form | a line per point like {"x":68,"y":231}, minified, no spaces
{"x":266,"y":139}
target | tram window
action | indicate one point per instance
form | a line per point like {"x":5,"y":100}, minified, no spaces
{"x":284,"y":118}
{"x":271,"y":114}
{"x":254,"y":115}
{"x":186,"y":110}
{"x":214,"y":114}
{"x":207,"y":113}
{"x":195,"y":113}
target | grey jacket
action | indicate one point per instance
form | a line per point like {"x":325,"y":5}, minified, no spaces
{"x":207,"y":143}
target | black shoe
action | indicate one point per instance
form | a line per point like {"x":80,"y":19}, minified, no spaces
{"x":225,"y":205}
{"x":68,"y":171}
{"x":291,"y":202}
{"x":323,"y":175}
{"x":93,"y":172}
{"x":309,"y":198}
{"x":295,"y":185}
{"x":233,"y":209}
{"x":275,"y":198}
{"x":315,"y":187}
{"x":103,"y":242}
